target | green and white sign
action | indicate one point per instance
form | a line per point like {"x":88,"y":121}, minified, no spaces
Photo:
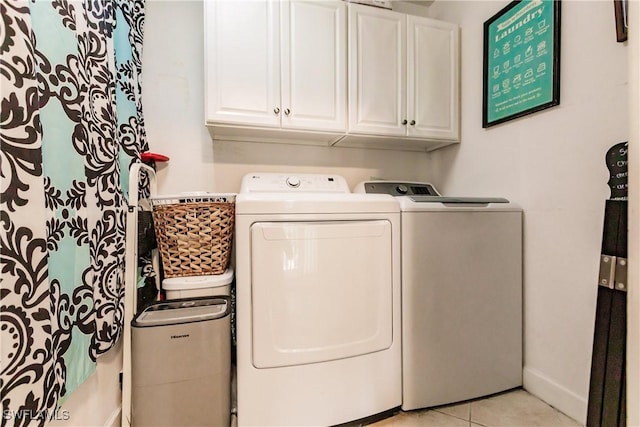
{"x":521,"y":60}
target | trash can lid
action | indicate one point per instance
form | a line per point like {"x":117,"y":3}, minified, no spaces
{"x":199,"y":282}
{"x":182,"y":311}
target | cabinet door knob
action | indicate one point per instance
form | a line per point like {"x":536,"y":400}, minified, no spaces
{"x":276,"y":110}
{"x":287,"y":111}
{"x":404,"y":122}
{"x":413,"y":122}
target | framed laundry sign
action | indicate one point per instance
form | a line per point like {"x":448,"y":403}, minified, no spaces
{"x":521,"y":60}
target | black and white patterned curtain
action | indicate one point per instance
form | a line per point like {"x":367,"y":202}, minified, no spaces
{"x":71,"y":125}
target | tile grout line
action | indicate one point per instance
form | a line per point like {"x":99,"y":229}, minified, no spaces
{"x":454,"y":416}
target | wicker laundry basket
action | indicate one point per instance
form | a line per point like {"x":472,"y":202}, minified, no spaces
{"x":194,"y":233}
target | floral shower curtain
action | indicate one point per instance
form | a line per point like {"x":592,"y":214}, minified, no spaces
{"x":71,"y":125}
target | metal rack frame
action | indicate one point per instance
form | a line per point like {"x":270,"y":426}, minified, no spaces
{"x":131,"y":278}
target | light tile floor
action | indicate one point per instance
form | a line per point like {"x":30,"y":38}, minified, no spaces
{"x":515,"y":408}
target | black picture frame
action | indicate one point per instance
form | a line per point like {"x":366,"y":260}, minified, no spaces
{"x":521,"y":60}
{"x":620,"y":8}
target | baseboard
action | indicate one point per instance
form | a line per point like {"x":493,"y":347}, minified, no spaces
{"x":554,"y":394}
{"x":115,"y":419}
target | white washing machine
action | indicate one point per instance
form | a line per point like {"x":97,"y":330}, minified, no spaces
{"x":461,"y":294}
{"x":318,"y":301}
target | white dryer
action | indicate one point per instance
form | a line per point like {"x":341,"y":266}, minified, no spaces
{"x":318,"y":301}
{"x":461,"y":294}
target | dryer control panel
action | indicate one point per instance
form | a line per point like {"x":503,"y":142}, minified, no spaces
{"x":293,"y":183}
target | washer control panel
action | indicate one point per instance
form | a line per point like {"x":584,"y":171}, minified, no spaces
{"x":293,"y":183}
{"x":398,"y":188}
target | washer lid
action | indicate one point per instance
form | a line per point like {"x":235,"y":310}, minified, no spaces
{"x":456,"y":204}
{"x":423,"y":196}
{"x":459,"y":200}
{"x":198,"y":282}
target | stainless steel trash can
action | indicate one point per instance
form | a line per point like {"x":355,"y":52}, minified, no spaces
{"x":181,"y":367}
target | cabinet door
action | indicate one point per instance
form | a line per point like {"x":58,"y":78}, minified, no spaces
{"x":242,"y":60}
{"x":314,"y":67}
{"x":377,"y":71}
{"x":433,"y":79}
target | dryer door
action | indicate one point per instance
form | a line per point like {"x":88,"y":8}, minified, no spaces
{"x":320,"y":290}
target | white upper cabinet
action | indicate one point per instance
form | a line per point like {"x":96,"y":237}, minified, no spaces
{"x":243,"y":62}
{"x":276,"y":64}
{"x":433,"y":79}
{"x":314,"y":69}
{"x":403,"y":77}
{"x":377,"y":71}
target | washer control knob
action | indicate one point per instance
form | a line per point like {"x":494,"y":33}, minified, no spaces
{"x":293,"y":181}
{"x":402,"y":189}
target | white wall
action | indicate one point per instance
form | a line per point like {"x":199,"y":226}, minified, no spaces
{"x":97,"y":401}
{"x":552,"y":164}
{"x":173,"y":85}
